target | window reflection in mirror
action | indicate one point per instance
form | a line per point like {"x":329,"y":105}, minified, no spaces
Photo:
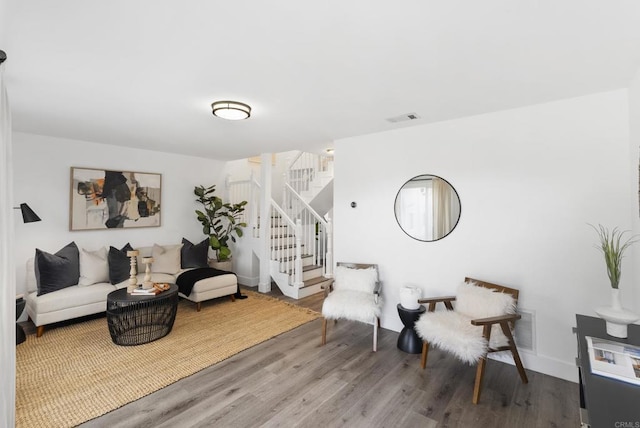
{"x":427,"y":207}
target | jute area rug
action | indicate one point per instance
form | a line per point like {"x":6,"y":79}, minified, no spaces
{"x":75,"y":373}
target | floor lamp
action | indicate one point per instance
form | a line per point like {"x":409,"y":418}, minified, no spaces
{"x":28,"y":216}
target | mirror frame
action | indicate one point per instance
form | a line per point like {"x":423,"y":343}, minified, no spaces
{"x":396,"y":202}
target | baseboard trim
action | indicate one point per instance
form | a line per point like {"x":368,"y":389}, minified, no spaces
{"x":249,"y":281}
{"x":541,"y":364}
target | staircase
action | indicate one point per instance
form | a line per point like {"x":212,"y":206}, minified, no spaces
{"x":294,"y":266}
{"x":299,"y":239}
{"x":311,"y":177}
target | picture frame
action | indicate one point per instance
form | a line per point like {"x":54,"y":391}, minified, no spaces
{"x":103,"y":199}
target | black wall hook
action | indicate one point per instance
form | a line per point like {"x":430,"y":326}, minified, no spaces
{"x":3,"y":56}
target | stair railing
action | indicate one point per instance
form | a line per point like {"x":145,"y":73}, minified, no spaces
{"x":295,"y":227}
{"x":316,"y":232}
{"x":287,"y":254}
{"x":285,"y":237}
{"x":304,"y":167}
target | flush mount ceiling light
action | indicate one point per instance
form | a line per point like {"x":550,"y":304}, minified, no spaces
{"x":231,"y":110}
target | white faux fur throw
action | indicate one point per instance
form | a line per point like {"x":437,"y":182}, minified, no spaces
{"x":351,"y":305}
{"x":453,"y":331}
{"x":355,"y":279}
{"x":482,"y":302}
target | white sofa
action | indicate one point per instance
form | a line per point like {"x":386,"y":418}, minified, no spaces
{"x":81,"y":300}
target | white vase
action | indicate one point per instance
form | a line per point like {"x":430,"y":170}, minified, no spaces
{"x":617,"y":318}
{"x":409,"y":297}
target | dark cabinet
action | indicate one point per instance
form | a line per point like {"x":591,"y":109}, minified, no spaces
{"x":606,"y":402}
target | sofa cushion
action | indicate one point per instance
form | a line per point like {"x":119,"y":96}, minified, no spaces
{"x":32,"y":283}
{"x":57,"y":271}
{"x":119,"y":264}
{"x":80,"y":296}
{"x":155,"y":277}
{"x":94,"y":266}
{"x":166,"y":259}
{"x":194,"y":255}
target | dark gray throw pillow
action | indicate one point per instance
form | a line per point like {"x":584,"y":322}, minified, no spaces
{"x":119,"y":264}
{"x":194,"y":256}
{"x":57,"y":271}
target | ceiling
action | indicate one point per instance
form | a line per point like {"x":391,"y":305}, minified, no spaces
{"x":143,"y":73}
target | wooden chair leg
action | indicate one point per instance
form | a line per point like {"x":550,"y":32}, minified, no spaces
{"x":198,"y":306}
{"x":486,"y":333}
{"x":479,"y":376}
{"x":514,"y":351}
{"x":233,"y":298}
{"x":375,"y":334}
{"x":324,"y":332}
{"x":425,"y":351}
{"x":40,"y":331}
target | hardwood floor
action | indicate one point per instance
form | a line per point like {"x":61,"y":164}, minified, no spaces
{"x":291,"y":381}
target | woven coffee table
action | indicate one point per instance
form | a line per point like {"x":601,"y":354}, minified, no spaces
{"x":135,"y":319}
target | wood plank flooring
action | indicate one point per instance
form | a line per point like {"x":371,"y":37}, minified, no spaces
{"x":291,"y":381}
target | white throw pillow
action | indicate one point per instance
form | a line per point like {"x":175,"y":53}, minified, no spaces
{"x":480,"y":302}
{"x":355,"y":279}
{"x":94,"y":266}
{"x":165,"y":259}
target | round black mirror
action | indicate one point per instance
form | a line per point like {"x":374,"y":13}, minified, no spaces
{"x":427,"y":208}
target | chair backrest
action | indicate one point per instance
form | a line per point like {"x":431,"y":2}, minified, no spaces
{"x":357,"y":265}
{"x":350,"y":278}
{"x":499,"y":288}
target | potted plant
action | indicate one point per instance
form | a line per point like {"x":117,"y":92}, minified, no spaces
{"x":220,"y":221}
{"x":613,"y":244}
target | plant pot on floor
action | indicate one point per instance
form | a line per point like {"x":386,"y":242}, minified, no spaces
{"x":225,"y":265}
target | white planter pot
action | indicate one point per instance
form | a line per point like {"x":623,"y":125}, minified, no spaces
{"x":409,"y":297}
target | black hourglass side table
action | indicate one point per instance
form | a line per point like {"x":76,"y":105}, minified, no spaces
{"x":409,"y":341}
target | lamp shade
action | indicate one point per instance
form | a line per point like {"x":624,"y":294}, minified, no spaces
{"x":231,"y":110}
{"x":28,"y":216}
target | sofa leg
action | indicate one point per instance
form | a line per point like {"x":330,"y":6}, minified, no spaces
{"x":233,"y":298}
{"x":40,"y":331}
{"x":198,"y":306}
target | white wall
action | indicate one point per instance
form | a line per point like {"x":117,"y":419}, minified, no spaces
{"x":41,"y":179}
{"x":529,"y":179}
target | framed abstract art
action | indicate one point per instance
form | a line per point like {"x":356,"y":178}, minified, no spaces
{"x":107,"y":199}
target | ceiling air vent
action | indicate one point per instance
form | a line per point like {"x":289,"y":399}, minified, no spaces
{"x":403,"y":118}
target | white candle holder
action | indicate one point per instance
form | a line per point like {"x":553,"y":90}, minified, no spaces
{"x":133,"y":280}
{"x":147,"y":261}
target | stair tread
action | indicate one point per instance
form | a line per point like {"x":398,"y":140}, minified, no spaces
{"x":280,"y":247}
{"x":290,"y":258}
{"x":305,"y":269}
{"x":314,"y":281}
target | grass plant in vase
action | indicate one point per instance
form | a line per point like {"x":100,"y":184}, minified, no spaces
{"x":613,"y":244}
